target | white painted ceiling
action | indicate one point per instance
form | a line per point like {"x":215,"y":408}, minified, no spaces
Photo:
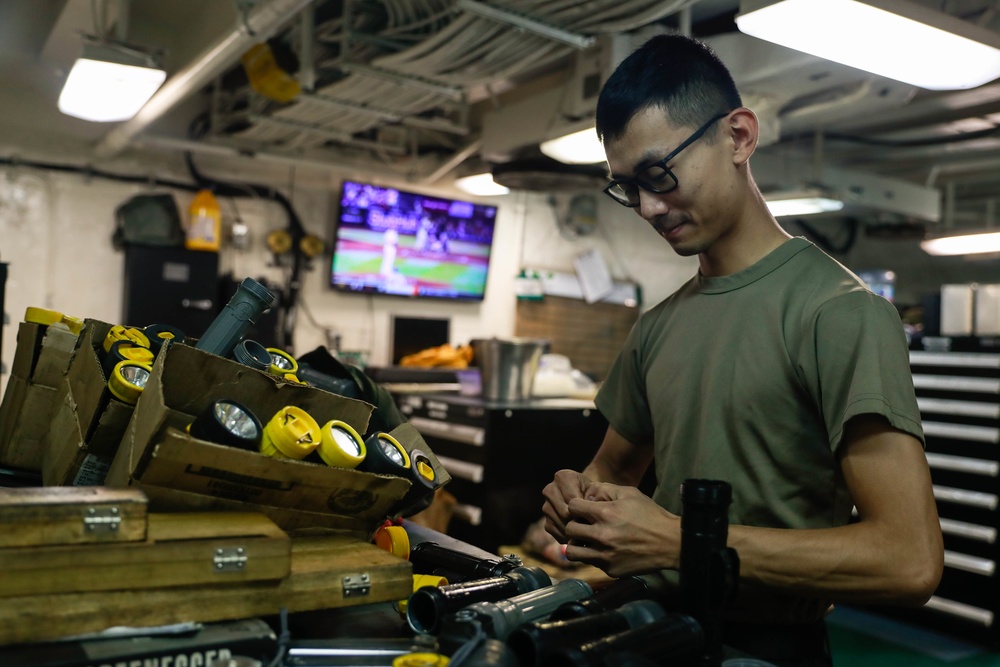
{"x":431,"y":89}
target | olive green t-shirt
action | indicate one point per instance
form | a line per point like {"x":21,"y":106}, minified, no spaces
{"x":750,"y":379}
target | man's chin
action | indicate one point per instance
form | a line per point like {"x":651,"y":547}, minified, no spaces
{"x":685,"y":249}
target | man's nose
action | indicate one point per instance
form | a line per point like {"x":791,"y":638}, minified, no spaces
{"x":651,"y":206}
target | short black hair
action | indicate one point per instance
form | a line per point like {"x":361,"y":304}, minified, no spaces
{"x":679,"y":74}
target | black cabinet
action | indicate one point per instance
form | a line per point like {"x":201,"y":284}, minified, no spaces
{"x":3,"y":311}
{"x":958,"y":394}
{"x":501,"y":456}
{"x":170,"y":285}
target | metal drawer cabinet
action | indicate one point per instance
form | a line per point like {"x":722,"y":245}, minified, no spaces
{"x":501,"y":455}
{"x":958,"y":394}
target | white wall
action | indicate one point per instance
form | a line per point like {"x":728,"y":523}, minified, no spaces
{"x":55,"y":233}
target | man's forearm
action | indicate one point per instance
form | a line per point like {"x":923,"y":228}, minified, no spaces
{"x":619,"y":461}
{"x":851,"y":563}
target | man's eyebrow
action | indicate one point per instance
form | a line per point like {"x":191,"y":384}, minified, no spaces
{"x":647,"y":159}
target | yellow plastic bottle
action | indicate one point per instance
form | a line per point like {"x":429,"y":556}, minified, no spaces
{"x":204,"y":228}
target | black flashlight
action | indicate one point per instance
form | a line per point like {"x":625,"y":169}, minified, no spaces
{"x":227,"y":422}
{"x":709,"y":570}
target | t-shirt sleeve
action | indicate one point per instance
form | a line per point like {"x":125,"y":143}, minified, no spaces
{"x":861,"y":365}
{"x":622,"y":396}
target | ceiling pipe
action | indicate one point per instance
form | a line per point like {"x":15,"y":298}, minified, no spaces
{"x":307,"y":42}
{"x":258,"y":26}
{"x":453,"y":161}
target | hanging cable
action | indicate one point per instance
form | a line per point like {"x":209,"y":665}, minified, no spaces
{"x":290,"y":290}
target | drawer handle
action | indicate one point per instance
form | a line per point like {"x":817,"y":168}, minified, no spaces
{"x":963,"y":497}
{"x":956,"y":383}
{"x":969,"y":563}
{"x":468,"y":435}
{"x":966,"y":611}
{"x":962,"y":432}
{"x":470,"y":514}
{"x":963,"y":464}
{"x":471,"y":472}
{"x":967,"y":530}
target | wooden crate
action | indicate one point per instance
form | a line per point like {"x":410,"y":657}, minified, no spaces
{"x":221,"y":548}
{"x":327,"y":571}
{"x":38,"y":516}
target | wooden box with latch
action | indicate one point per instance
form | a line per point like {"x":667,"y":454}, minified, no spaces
{"x":61,"y":515}
{"x":183,"y":549}
{"x":179,"y":575}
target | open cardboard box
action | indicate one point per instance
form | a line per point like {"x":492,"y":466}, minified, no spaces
{"x":87,"y":424}
{"x":178,"y":472}
{"x":33,"y":393}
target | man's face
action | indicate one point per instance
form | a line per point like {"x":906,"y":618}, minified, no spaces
{"x":690,"y":217}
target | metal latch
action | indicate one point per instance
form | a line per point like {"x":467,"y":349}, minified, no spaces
{"x":105,"y":519}
{"x":229,"y":559}
{"x":356,"y":585}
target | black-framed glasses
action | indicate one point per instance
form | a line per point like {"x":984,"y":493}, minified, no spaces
{"x":657,"y":177}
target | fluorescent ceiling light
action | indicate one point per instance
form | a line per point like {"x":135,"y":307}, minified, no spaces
{"x":109,"y":84}
{"x":783,"y":205}
{"x":581,"y":147}
{"x":968,"y":244}
{"x":892,"y":38}
{"x":480,"y":184}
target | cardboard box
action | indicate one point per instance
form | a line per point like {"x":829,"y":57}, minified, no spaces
{"x":179,"y":472}
{"x":33,"y":393}
{"x":88,"y":423}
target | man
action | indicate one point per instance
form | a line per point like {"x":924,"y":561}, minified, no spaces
{"x":773,"y":369}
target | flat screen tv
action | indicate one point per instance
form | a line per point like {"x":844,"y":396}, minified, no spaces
{"x":389,"y":241}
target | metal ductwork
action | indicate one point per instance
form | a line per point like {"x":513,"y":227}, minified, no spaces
{"x":257,"y":26}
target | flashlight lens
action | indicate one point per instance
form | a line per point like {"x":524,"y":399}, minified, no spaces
{"x":236,"y":420}
{"x":345,"y":442}
{"x":391,"y":452}
{"x":135,"y":375}
{"x":281,"y":362}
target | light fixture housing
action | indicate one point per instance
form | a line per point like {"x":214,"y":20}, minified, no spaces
{"x":482,"y":185}
{"x":962,"y":244}
{"x":581,"y":147}
{"x":806,"y":202}
{"x":897,"y":39}
{"x":110,"y":82}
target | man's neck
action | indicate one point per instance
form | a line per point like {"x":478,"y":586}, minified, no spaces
{"x":746,"y":244}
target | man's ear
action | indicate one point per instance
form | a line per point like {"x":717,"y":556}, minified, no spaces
{"x":744,"y":130}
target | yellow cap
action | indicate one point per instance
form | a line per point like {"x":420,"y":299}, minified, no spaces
{"x":393,"y":539}
{"x":291,"y":377}
{"x":119,"y":332}
{"x":425,"y":470}
{"x":341,"y":446}
{"x":291,"y":433}
{"x":47,"y":317}
{"x":420,"y":581}
{"x":128,"y":380}
{"x":420,"y":660}
{"x":135,"y":353}
{"x":42,"y":316}
{"x":74,"y":324}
